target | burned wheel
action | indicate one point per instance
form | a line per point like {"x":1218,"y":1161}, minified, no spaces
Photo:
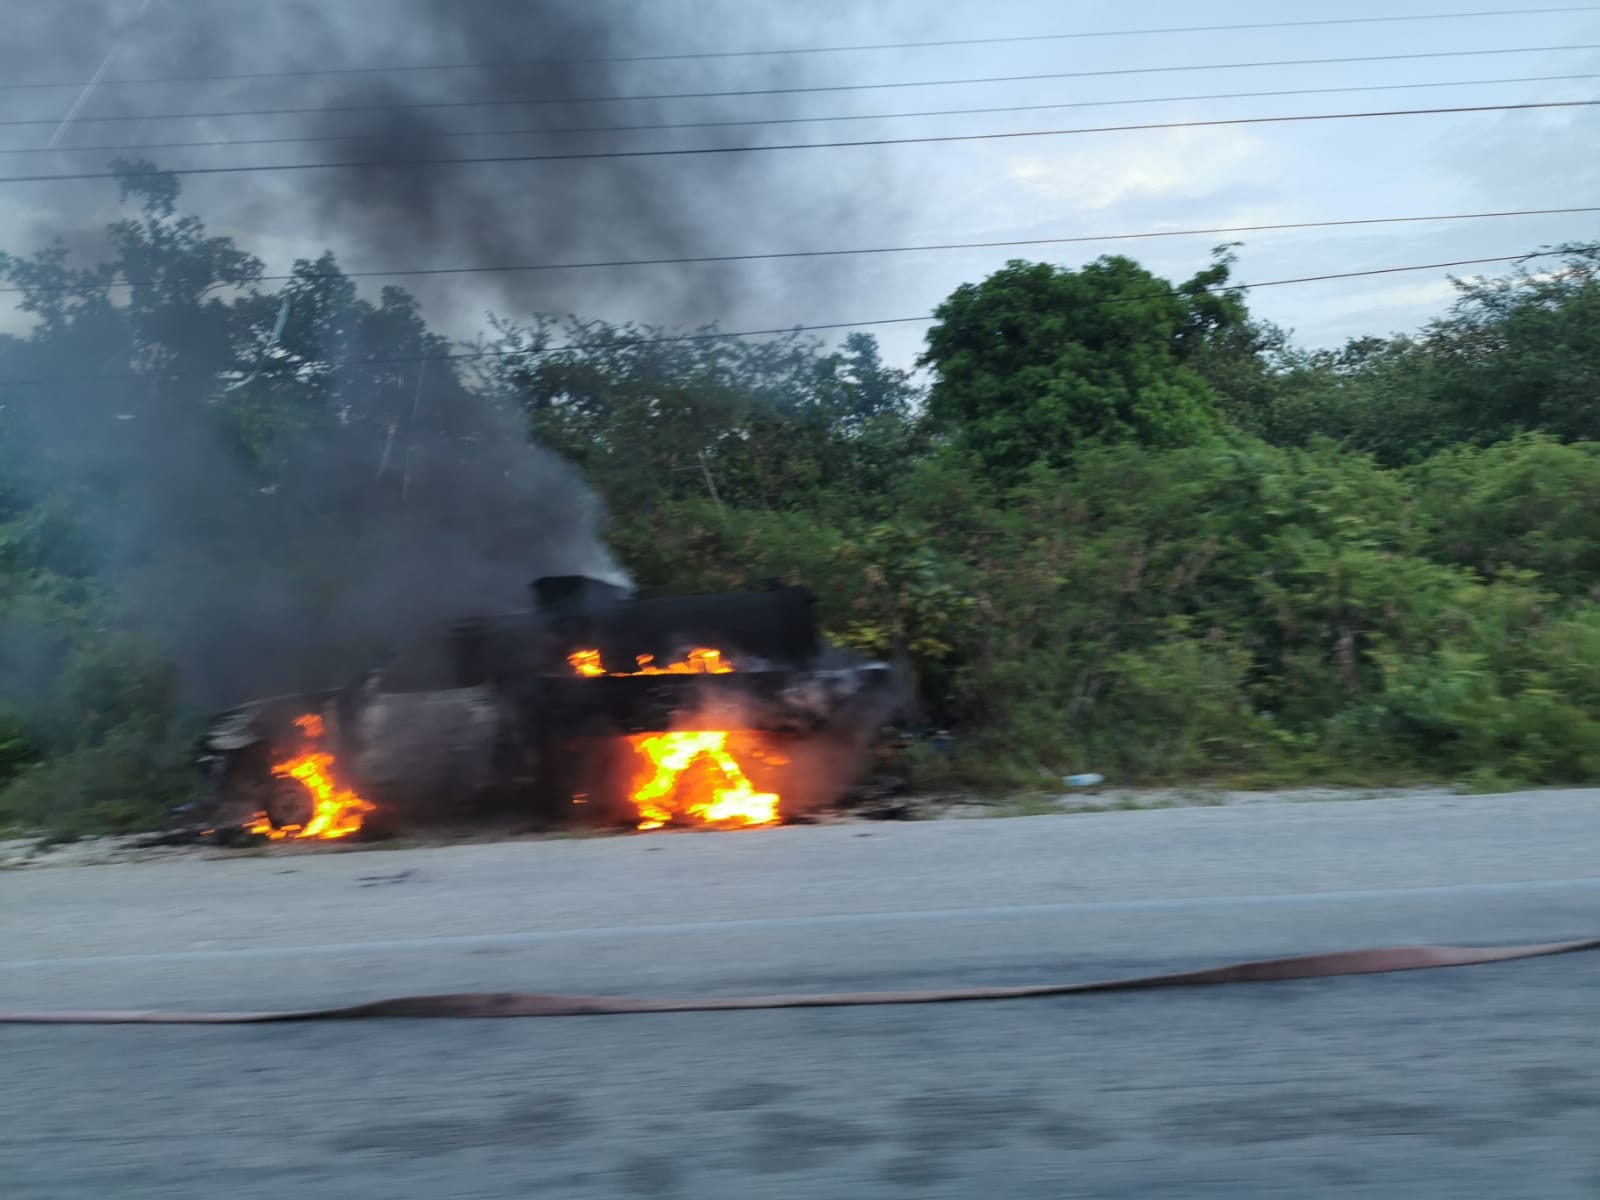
{"x":287,"y":803}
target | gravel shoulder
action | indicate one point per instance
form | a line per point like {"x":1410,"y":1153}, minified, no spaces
{"x":38,"y":852}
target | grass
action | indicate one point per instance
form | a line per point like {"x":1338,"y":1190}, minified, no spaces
{"x":1210,"y":794}
{"x":1038,"y":804}
{"x":1486,"y":781}
{"x":1029,"y":804}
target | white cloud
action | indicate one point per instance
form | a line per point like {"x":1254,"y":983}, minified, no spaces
{"x":1177,"y":164}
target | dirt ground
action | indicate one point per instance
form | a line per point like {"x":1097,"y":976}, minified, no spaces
{"x":30,"y":852}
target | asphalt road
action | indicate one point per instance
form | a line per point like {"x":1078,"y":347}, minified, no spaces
{"x":1469,"y":1082}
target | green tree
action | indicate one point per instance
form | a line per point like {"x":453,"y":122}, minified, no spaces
{"x":208,"y":482}
{"x":1520,"y":353}
{"x":1515,"y":354}
{"x":1038,"y":360}
{"x":1530,"y":503}
{"x":651,"y":417}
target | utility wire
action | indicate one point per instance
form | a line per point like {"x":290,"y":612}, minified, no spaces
{"x":784,"y":331}
{"x":941,"y":112}
{"x":587,"y":156}
{"x":744,"y":93}
{"x":687,"y":56}
{"x":927,"y":247}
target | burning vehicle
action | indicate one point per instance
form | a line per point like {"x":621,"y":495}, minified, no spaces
{"x":592,"y":706}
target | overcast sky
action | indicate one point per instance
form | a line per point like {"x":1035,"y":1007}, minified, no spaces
{"x":1035,"y":187}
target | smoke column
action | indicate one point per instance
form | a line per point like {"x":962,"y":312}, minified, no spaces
{"x":427,"y":503}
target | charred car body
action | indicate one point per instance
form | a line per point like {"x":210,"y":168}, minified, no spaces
{"x":553,"y":713}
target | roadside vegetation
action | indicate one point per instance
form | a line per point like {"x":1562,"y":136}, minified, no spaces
{"x":1117,"y":524}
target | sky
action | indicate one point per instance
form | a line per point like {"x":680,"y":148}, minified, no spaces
{"x":999,"y":189}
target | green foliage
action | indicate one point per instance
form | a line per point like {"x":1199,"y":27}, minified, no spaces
{"x":1516,"y":354}
{"x":1530,"y":503}
{"x":1037,"y":360}
{"x":1230,"y":610}
{"x":18,"y":750}
{"x":122,"y":784}
{"x":88,"y":720}
{"x":775,"y":425}
{"x":1128,"y":527}
{"x":1180,"y":708}
{"x":1519,"y":353}
{"x":1512,"y":683}
{"x":903,"y":601}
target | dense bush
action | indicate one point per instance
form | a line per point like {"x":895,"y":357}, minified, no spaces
{"x":1528,"y":503}
{"x":1230,"y":609}
{"x":90,"y":737}
{"x":1127,"y":529}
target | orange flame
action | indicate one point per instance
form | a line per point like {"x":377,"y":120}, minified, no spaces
{"x":687,"y":775}
{"x":699,"y":661}
{"x":337,"y":811}
{"x":718,"y":794}
{"x":586,"y":663}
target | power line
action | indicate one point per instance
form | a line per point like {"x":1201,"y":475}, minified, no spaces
{"x":843,"y":253}
{"x":744,"y":93}
{"x":830,"y":326}
{"x":587,"y":156}
{"x":945,"y":112}
{"x":686,"y":56}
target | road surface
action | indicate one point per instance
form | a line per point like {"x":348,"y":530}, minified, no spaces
{"x":1469,"y":1082}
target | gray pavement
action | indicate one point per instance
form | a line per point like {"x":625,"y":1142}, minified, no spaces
{"x":1480,"y":1081}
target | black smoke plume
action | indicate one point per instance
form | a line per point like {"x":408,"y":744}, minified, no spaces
{"x":418,"y":499}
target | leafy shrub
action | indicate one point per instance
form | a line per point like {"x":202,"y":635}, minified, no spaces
{"x":18,"y":749}
{"x":1180,"y":708}
{"x":1507,"y":688}
{"x":125,"y":782}
{"x":1530,"y":503}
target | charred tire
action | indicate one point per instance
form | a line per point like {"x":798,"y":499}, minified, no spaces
{"x":287,"y":803}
